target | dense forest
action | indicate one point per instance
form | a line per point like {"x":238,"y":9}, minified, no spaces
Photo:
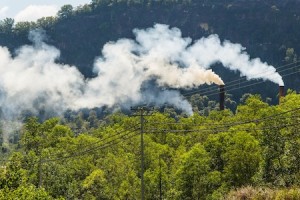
{"x":252,"y":154}
{"x":250,"y":150}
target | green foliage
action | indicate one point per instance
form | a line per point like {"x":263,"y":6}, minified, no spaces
{"x":201,"y":156}
{"x":237,"y":155}
{"x":22,"y":28}
{"x":46,"y":23}
{"x":241,"y":159}
{"x":195,"y":180}
{"x":263,"y":193}
{"x":96,"y":185}
{"x":6,"y":25}
{"x":29,"y":192}
{"x":290,"y":55}
{"x":186,"y":157}
{"x":65,"y":11}
{"x":292,"y":194}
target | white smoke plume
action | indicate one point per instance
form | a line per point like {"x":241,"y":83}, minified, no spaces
{"x":210,"y":50}
{"x":127,"y":64}
{"x":32,"y":80}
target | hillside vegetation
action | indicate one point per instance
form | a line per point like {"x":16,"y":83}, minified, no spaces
{"x":186,"y":157}
{"x":251,"y":150}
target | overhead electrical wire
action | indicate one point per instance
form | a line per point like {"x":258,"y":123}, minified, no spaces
{"x":88,"y":150}
{"x":243,"y":122}
{"x":115,"y":141}
{"x":236,"y":88}
{"x":226,"y":124}
{"x":133,"y":134}
{"x":211,"y":93}
{"x":244,"y":77}
{"x":110,"y":136}
{"x":239,"y":83}
{"x":233,"y":83}
{"x":73,"y":154}
{"x":99,"y":147}
{"x":215,"y":130}
{"x":99,"y":141}
{"x":228,"y":85}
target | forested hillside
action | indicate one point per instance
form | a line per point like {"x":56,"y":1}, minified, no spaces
{"x":193,"y":157}
{"x":184,"y":146}
{"x":268,"y":29}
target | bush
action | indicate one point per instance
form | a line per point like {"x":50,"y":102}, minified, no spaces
{"x":251,"y":193}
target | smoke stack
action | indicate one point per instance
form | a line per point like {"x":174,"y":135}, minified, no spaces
{"x":222,"y":96}
{"x":281,"y":92}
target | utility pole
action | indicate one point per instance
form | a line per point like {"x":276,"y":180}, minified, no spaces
{"x":160,"y":179}
{"x":40,"y":163}
{"x":40,"y":172}
{"x":142,"y":153}
{"x":141,"y":113}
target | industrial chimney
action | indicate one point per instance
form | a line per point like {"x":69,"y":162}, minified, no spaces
{"x":281,"y":92}
{"x":222,"y":96}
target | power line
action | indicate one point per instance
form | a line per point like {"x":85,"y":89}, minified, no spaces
{"x":216,"y":129}
{"x":235,"y":123}
{"x":102,"y":146}
{"x":220,"y":130}
{"x":244,"y":77}
{"x":237,"y":88}
{"x":224,"y":125}
{"x":211,"y":93}
{"x":239,"y":83}
{"x":99,"y":141}
{"x":229,"y":84}
{"x":80,"y":153}
{"x":102,"y":140}
{"x":282,"y":66}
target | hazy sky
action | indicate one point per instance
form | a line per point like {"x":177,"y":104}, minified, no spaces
{"x":30,"y":10}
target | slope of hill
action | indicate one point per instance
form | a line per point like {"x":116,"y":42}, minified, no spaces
{"x":267,"y":29}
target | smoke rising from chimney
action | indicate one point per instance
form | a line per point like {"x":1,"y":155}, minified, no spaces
{"x":210,"y":50}
{"x":32,"y":80}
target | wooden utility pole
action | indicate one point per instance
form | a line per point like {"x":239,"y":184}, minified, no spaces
{"x":142,"y":154}
{"x":160,"y":179}
{"x":40,"y":172}
{"x":141,"y":113}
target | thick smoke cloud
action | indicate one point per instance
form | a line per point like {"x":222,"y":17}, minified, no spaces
{"x":210,"y":50}
{"x":32,"y":80}
{"x":155,"y":54}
